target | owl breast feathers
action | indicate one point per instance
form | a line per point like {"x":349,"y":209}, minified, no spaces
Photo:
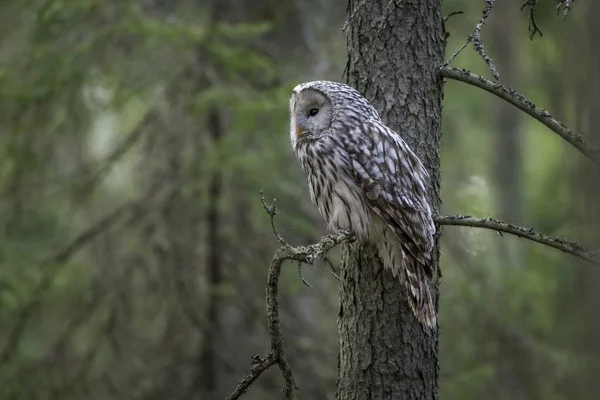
{"x":363,"y":177}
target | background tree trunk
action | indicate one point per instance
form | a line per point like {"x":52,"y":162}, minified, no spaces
{"x":508,"y":162}
{"x":508,"y":167}
{"x":514,"y":372}
{"x":208,"y":371}
{"x":394,"y":55}
{"x":587,"y":178}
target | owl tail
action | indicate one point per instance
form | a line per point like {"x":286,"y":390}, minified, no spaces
{"x":412,"y":274}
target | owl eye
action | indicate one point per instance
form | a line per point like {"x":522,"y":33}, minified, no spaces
{"x":313,"y":112}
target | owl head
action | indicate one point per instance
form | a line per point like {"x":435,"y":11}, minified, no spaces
{"x":311,"y":112}
{"x":321,"y":107}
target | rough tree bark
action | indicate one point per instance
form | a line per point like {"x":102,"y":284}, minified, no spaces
{"x":395,"y":51}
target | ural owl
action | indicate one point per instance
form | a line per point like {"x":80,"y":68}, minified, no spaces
{"x":364,"y":178}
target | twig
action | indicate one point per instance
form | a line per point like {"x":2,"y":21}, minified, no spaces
{"x":561,"y":244}
{"x":475,"y":37}
{"x":351,"y":17}
{"x":301,"y":254}
{"x":259,"y":365}
{"x":456,"y":52}
{"x":331,"y":268}
{"x":272,"y":211}
{"x":565,"y":5}
{"x":533,"y":26}
{"x":453,"y":13}
{"x":304,"y":281}
{"x":445,"y":19}
{"x":391,"y":6}
{"x":388,"y":13}
{"x":478,"y":42}
{"x":522,"y":103}
{"x":274,"y":324}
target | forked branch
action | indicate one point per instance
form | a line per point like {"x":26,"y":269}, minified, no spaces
{"x":522,"y":103}
{"x":301,"y":254}
{"x":533,"y":25}
{"x":565,"y":6}
{"x":561,"y":244}
{"x":259,"y":365}
{"x":475,"y":37}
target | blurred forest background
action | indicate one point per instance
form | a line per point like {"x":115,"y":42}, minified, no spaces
{"x":135,"y":136}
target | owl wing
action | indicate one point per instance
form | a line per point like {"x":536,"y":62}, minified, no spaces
{"x":393,"y":180}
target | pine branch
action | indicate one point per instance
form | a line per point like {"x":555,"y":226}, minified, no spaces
{"x":561,"y":244}
{"x":524,"y":104}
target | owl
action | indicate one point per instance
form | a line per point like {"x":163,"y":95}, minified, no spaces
{"x":364,"y":178}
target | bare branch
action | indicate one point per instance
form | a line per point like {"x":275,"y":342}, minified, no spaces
{"x":272,"y":211}
{"x":475,"y":37}
{"x":533,"y":26}
{"x":259,"y":365}
{"x":456,"y":53}
{"x":565,"y":5}
{"x":561,"y":244}
{"x":445,"y":19}
{"x":351,"y":17}
{"x":478,"y":42}
{"x":519,"y":101}
{"x":301,"y":254}
{"x":453,"y":13}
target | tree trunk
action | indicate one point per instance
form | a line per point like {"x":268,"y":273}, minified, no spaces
{"x":588,"y":296}
{"x":514,"y":373}
{"x":208,"y":357}
{"x":394,"y":55}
